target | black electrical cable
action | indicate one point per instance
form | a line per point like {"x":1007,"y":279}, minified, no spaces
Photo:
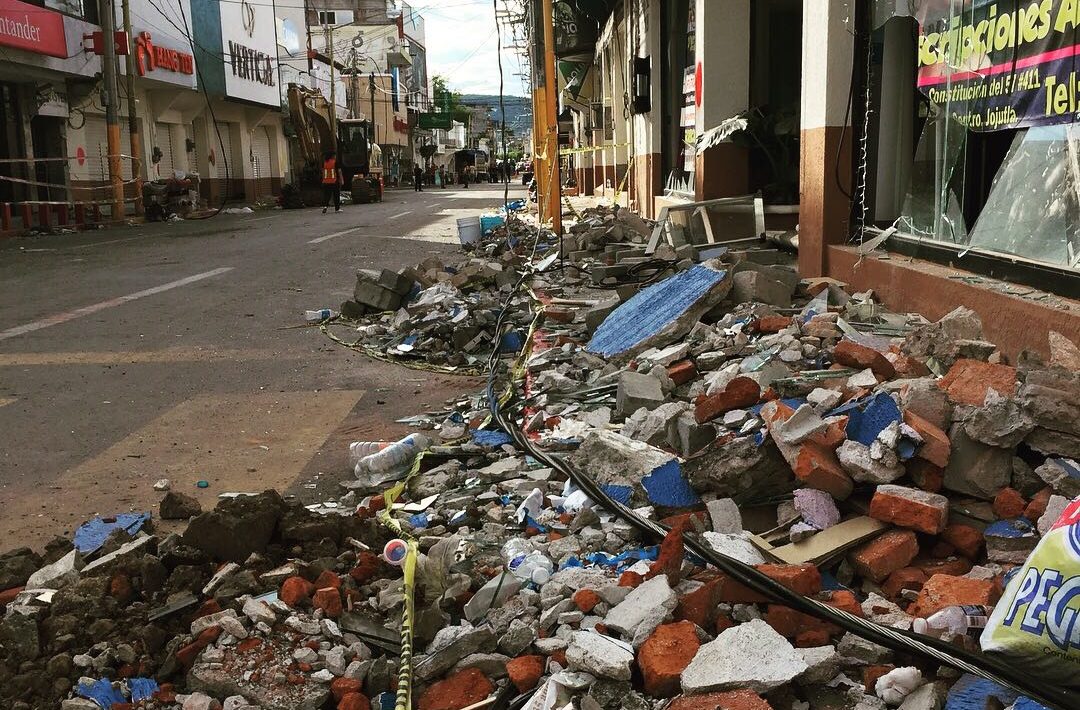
{"x":926,"y":647}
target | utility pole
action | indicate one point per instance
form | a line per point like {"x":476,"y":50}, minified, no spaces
{"x":371,"y":90}
{"x":333,"y":87}
{"x":112,"y":120}
{"x":551,"y":142}
{"x":134,"y":138}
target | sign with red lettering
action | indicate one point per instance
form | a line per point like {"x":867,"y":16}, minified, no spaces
{"x":32,"y":28}
{"x":149,"y":58}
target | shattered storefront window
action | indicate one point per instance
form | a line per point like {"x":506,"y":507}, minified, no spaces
{"x":986,"y":66}
{"x":1033,"y":210}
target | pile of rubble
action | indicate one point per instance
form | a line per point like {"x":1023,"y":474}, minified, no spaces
{"x":885,"y":465}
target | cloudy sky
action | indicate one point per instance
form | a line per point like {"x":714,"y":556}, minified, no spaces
{"x":461,"y":46}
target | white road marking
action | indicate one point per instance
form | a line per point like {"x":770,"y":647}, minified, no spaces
{"x":325,"y":237}
{"x":118,"y":301}
{"x":395,"y":216}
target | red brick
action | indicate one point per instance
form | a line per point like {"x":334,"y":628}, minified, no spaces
{"x":248,"y":644}
{"x":926,"y":475}
{"x":816,"y":466}
{"x":586,"y":599}
{"x":525,"y":672}
{"x":664,"y":656}
{"x":943,"y":590}
{"x":834,"y":436}
{"x":955,"y":566}
{"x":884,"y":555}
{"x":870,"y":675}
{"x":910,"y":508}
{"x":723,"y":623}
{"x":699,"y":605}
{"x":789,"y":623}
{"x":457,"y":691}
{"x":670,"y":558}
{"x":186,"y":656}
{"x":803,"y":579}
{"x":8,"y":595}
{"x":1037,"y":506}
{"x":329,"y":600}
{"x":936,"y":447}
{"x":340,"y":687}
{"x":860,"y":357}
{"x":354,"y":701}
{"x":208,"y":607}
{"x":1008,"y":503}
{"x":630,"y":579}
{"x":942,"y":550}
{"x":845,"y":600}
{"x":906,"y":578}
{"x":740,"y":392}
{"x":367,"y":566}
{"x":120,"y":589}
{"x":812,"y":638}
{"x":771,"y":324}
{"x":296,"y":591}
{"x":968,"y":381}
{"x":327,"y":579}
{"x":681,"y":372}
{"x":907,"y":366}
{"x":726,"y":700}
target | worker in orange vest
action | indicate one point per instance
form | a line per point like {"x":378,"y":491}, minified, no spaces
{"x":331,"y":181}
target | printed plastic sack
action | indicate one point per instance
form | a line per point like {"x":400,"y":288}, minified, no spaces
{"x":1036,"y":624}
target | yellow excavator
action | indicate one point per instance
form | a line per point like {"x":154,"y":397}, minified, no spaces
{"x":358,"y":158}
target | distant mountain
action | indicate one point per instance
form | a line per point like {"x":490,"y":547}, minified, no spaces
{"x":518,"y":109}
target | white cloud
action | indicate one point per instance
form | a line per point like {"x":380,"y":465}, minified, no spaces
{"x":460,"y":38}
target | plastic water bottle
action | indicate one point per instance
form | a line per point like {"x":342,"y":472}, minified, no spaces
{"x":361,"y":449}
{"x":320,"y":315}
{"x":969,"y":619}
{"x":526,"y":562}
{"x":394,"y":458}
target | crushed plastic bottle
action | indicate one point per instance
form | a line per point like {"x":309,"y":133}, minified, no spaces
{"x":969,"y":619}
{"x":527,"y":563}
{"x":320,"y":315}
{"x":362,"y":449}
{"x":395,"y":459}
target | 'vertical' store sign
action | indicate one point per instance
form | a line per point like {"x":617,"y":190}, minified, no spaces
{"x":32,"y":28}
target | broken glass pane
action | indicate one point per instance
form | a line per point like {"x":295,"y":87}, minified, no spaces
{"x":932,"y":206}
{"x":1033,"y":209}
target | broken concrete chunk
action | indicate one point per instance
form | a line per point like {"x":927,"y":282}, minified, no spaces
{"x":643,"y":609}
{"x":1062,"y":475}
{"x":637,"y":391}
{"x":599,"y":655}
{"x":976,"y":469}
{"x":725,"y":516}
{"x":59,"y":573}
{"x":736,"y":546}
{"x":750,"y":655}
{"x":858,"y":461}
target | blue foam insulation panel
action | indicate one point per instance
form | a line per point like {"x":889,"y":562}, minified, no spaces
{"x":651,"y":310}
{"x":866,"y":422}
{"x":1017,"y":527}
{"x":1023,"y":703}
{"x":491,"y":438}
{"x":92,"y":535}
{"x":622,"y":494}
{"x":101,"y":692}
{"x":974,"y":693}
{"x":665,"y":486}
{"x":142,"y":688}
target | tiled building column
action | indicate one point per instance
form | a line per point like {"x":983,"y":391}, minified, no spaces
{"x":723,"y":57}
{"x":828,"y":51}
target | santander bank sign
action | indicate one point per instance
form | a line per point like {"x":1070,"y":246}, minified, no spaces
{"x":32,"y":28}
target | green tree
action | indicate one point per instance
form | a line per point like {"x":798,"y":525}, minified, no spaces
{"x":448,"y":100}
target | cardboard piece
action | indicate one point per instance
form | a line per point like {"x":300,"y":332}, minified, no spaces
{"x":829,"y":543}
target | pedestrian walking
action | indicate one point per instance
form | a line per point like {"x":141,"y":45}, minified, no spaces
{"x":442,"y":176}
{"x":465,"y":177}
{"x":331,"y":182}
{"x":418,"y":178}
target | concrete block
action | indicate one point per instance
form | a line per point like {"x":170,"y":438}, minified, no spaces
{"x":976,"y":469}
{"x":725,"y":516}
{"x":600,"y":272}
{"x":353,"y":310}
{"x":636,"y":391}
{"x":643,"y":609}
{"x":379,"y":298}
{"x":396,"y":281}
{"x":750,"y":655}
{"x":755,"y":287}
{"x":1010,"y":541}
{"x":596,"y":314}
